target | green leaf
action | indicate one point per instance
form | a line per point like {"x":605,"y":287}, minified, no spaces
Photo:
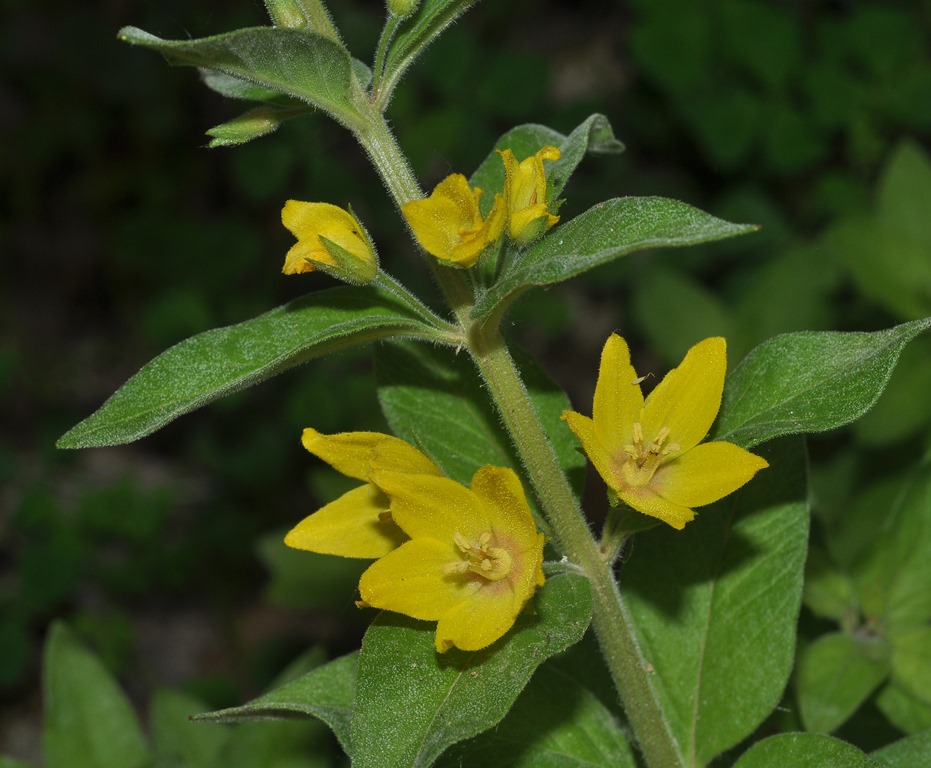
{"x":413,"y":703}
{"x":225,"y":360}
{"x":555,"y":723}
{"x":603,"y":233}
{"x":436,"y":401}
{"x":887,"y":250}
{"x":89,"y":723}
{"x":811,"y":750}
{"x":903,"y":710}
{"x":906,"y":753}
{"x":836,"y":674}
{"x":911,"y":660}
{"x":715,"y":605}
{"x":829,"y":592}
{"x":177,"y":740}
{"x":248,"y":126}
{"x":326,"y":693}
{"x":416,"y":33}
{"x":809,"y":382}
{"x":296,"y":63}
{"x":594,"y":136}
{"x":893,"y":578}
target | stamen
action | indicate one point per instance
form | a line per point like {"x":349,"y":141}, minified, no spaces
{"x":493,"y":563}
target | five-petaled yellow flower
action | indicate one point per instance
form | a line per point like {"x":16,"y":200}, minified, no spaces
{"x":329,"y":239}
{"x":358,"y":523}
{"x":525,"y":192}
{"x":648,"y":452}
{"x":473,"y":560}
{"x":449,"y":225}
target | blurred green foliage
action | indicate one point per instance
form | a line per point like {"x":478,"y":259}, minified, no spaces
{"x":121,"y":235}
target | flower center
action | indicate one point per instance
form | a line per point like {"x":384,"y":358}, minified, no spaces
{"x":643,"y":458}
{"x":477,"y":556}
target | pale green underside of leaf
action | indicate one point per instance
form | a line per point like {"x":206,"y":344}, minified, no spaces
{"x":809,"y":382}
{"x":413,"y":703}
{"x":603,"y":233}
{"x":716,"y":605}
{"x":293,"y":62}
{"x":225,"y":360}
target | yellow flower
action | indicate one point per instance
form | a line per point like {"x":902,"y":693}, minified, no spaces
{"x":329,"y":239}
{"x":358,"y":523}
{"x":449,"y":225}
{"x":473,"y":560}
{"x":525,"y":192}
{"x":648,"y":452}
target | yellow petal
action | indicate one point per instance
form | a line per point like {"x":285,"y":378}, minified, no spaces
{"x":618,"y":399}
{"x":706,"y":473}
{"x":500,"y":491}
{"x":347,"y":452}
{"x":396,"y":455}
{"x":411,"y":580}
{"x":644,"y":500}
{"x":688,"y":398}
{"x":349,"y":527}
{"x":309,"y":222}
{"x":478,"y":621}
{"x":440,"y":220}
{"x":433,"y":507}
{"x":584,"y":429}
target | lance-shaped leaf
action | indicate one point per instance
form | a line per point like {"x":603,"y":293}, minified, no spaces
{"x":225,"y":360}
{"x":326,"y":693}
{"x":603,"y":233}
{"x":296,"y":63}
{"x":594,"y":136}
{"x":715,"y":606}
{"x":809,"y":382}
{"x":412,"y":703}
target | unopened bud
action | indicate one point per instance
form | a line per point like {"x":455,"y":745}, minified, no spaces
{"x":402,"y":8}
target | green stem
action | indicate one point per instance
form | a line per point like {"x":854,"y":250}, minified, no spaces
{"x":612,"y":621}
{"x":452,"y":334}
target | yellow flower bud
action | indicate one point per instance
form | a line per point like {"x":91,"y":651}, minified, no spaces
{"x":449,"y":224}
{"x":329,"y":239}
{"x":525,"y":192}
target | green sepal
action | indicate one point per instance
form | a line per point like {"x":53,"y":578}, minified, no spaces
{"x":413,"y":703}
{"x":603,"y":233}
{"x":303,"y":65}
{"x":226,"y":360}
{"x":809,"y":382}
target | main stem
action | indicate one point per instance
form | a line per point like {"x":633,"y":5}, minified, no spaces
{"x":612,"y":621}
